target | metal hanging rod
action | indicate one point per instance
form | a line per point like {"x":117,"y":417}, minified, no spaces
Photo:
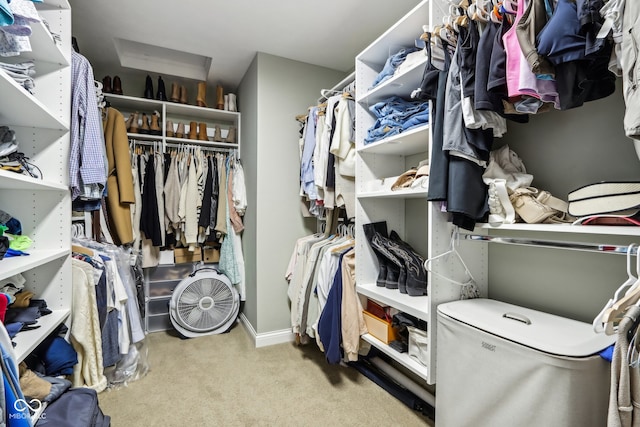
{"x":589,"y":247}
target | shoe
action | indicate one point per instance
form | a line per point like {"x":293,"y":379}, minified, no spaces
{"x":217,"y":135}
{"x":134,"y":126}
{"x":231,"y":135}
{"x":193,"y":130}
{"x":219,"y":97}
{"x":226,"y":103}
{"x":201,"y":99}
{"x":106,"y":85}
{"x":144,"y":129}
{"x":175,"y":92}
{"x":396,"y":272}
{"x":202,"y":132}
{"x":148,"y":88}
{"x":117,"y":86}
{"x":168,"y":129}
{"x":369,"y":229}
{"x":183,"y":94}
{"x":416,"y":282}
{"x":180,"y":130}
{"x":232,"y":102}
{"x":161,"y":95}
{"x":129,"y":122}
{"x":154,"y":128}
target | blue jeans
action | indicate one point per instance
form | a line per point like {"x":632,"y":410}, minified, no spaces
{"x":391,"y":64}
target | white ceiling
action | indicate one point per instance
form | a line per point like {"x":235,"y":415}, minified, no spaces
{"x":328,"y":33}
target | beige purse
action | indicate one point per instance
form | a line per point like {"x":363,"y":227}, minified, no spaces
{"x":536,"y":207}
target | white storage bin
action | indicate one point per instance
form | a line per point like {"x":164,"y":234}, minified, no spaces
{"x":504,"y":365}
{"x":418,"y":342}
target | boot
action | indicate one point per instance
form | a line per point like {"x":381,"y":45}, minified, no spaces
{"x":175,"y":92}
{"x":232,"y":102}
{"x":202,"y":132}
{"x":369,"y":230}
{"x":193,"y":130}
{"x":183,"y":94}
{"x":161,"y":95}
{"x":154,"y":128}
{"x":129,"y":122}
{"x":226,"y":103}
{"x":134,"y":127}
{"x":201,"y":99}
{"x":220,"y":97}
{"x":231,"y":135}
{"x":217,"y":135}
{"x":180,"y":130}
{"x":106,"y":85}
{"x":416,"y":283}
{"x":168,"y":129}
{"x":117,"y":86}
{"x":144,"y":129}
{"x":148,"y":88}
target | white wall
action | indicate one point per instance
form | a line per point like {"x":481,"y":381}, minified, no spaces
{"x":272,"y":93}
{"x":565,"y":150}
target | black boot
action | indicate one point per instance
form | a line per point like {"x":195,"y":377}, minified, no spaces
{"x":396,"y":274}
{"x":416,"y":283}
{"x":161,"y":95}
{"x":369,"y":230}
{"x":148,"y":88}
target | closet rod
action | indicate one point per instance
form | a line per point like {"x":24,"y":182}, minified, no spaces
{"x":589,"y":247}
{"x":202,"y":147}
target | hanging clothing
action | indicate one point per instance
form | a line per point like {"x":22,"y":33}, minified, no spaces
{"x":120,"y":192}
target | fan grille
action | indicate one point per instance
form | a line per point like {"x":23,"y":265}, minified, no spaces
{"x":204,"y":305}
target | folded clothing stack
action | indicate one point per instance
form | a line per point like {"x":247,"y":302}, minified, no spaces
{"x":395,"y":115}
{"x":22,"y":73}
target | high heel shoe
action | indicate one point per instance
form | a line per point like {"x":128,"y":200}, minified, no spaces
{"x":202,"y":132}
{"x":201,"y":99}
{"x":180,"y":130}
{"x":133,"y":123}
{"x":183,"y":94}
{"x":220,"y":97}
{"x":175,"y":92}
{"x":217,"y":134}
{"x":193,"y":130}
{"x":168,"y":129}
{"x":231,"y":135}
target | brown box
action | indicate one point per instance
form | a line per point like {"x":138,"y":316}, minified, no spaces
{"x":212,"y":254}
{"x":379,"y":328}
{"x":183,"y":255}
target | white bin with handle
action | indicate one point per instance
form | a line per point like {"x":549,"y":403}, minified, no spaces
{"x":501,"y":365}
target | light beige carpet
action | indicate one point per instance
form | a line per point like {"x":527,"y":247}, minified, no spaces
{"x":222,"y":380}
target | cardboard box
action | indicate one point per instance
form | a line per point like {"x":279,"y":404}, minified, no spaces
{"x":211,"y":254}
{"x":379,"y":328}
{"x":183,"y":255}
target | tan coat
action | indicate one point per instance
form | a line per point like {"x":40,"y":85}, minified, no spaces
{"x":120,"y":192}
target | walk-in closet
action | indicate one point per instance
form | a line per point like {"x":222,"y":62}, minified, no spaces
{"x":416,"y":213}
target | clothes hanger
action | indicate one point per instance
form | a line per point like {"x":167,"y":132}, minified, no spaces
{"x":598,"y":324}
{"x":614,"y":314}
{"x":468,"y":288}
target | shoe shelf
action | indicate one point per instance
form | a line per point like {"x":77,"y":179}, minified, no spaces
{"x":378,"y":165}
{"x":403,"y":358}
{"x":217,"y":144}
{"x":27,"y":341}
{"x":415,"y":306}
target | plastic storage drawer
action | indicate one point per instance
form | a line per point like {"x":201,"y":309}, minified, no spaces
{"x":500,"y":365}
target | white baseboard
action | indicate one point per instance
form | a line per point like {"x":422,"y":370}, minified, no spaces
{"x":267,"y":338}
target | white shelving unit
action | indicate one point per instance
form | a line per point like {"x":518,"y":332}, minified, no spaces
{"x":176,"y":112}
{"x":43,"y":207}
{"x":406,"y":211}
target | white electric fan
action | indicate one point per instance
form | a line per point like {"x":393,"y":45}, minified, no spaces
{"x":204,"y":303}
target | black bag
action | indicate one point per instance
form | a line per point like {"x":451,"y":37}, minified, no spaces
{"x":76,"y":407}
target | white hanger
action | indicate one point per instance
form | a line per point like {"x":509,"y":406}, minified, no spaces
{"x":614,"y":314}
{"x":468,"y":288}
{"x":598,"y":325}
